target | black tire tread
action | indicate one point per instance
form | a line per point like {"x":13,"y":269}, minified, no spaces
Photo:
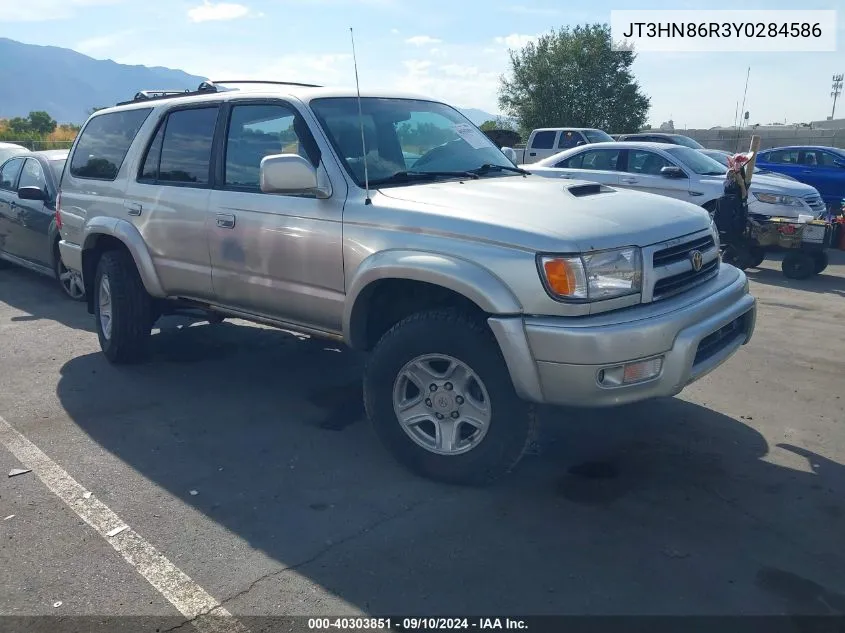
{"x":131,"y":322}
{"x":454,"y":319}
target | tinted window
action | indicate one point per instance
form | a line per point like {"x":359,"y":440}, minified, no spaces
{"x":573,"y":162}
{"x":686,"y":141}
{"x":644,"y":162}
{"x":597,"y":136}
{"x":186,"y":148}
{"x":149,"y":168}
{"x":9,"y":173}
{"x":600,"y":159}
{"x":784,"y":156}
{"x":543,"y":140}
{"x":32,"y":175}
{"x":567,"y":140}
{"x":104,"y":142}
{"x":818,"y":158}
{"x":256,"y":131}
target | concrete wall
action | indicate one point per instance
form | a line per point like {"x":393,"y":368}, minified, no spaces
{"x":771,"y":137}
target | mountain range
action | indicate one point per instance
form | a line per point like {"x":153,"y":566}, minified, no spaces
{"x":68,"y":84}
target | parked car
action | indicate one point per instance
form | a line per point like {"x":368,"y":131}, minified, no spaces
{"x":28,"y":233}
{"x":721,"y":156}
{"x":7,"y":150}
{"x":660,"y":137}
{"x":546,"y":142}
{"x":678,"y":172}
{"x":821,"y":167}
{"x":476,"y":289}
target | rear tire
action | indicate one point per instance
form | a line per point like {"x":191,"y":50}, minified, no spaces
{"x":122,"y":308}
{"x":820,"y":261}
{"x":798,"y":265}
{"x":70,"y":281}
{"x":484,"y":428}
{"x":756,"y":256}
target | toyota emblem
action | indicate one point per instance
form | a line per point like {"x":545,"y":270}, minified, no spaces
{"x":697,"y":260}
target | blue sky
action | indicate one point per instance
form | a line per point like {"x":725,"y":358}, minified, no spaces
{"x":452,"y":50}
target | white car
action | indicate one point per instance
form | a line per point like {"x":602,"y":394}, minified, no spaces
{"x":7,"y":150}
{"x":678,"y":172}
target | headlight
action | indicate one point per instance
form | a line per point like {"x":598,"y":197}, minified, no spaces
{"x":593,"y":276}
{"x":714,"y":230}
{"x":771,"y":198}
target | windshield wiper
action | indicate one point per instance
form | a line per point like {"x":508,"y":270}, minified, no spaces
{"x":410,"y":176}
{"x":488,"y":167}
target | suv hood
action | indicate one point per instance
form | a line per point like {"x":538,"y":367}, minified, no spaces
{"x":542,"y":214}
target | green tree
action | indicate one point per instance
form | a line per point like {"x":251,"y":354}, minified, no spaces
{"x":487,"y":125}
{"x":42,"y":123}
{"x":572,"y":77}
{"x":19,"y":125}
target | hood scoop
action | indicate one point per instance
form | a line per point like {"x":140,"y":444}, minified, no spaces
{"x":588,"y":189}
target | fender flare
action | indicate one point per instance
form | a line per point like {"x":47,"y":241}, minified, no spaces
{"x":134,"y":243}
{"x":464,"y":277}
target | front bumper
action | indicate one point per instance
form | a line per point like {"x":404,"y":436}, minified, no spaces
{"x":556,"y":360}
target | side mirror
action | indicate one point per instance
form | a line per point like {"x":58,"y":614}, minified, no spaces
{"x":579,"y":143}
{"x":510,"y":153}
{"x":32,"y":193}
{"x":839,"y":162}
{"x":670,"y":171}
{"x":291,"y":174}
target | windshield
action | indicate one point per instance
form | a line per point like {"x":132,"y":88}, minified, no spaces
{"x":57,"y":165}
{"x":722,"y":159}
{"x":696,"y":161}
{"x":597,"y":136}
{"x":407,"y":138}
{"x":686,"y":141}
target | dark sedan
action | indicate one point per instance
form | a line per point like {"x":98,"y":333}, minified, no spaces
{"x":28,"y":236}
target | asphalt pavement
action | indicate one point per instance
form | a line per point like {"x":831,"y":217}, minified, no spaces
{"x":239,"y":457}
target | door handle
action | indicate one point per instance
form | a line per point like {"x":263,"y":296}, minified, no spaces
{"x":565,"y":176}
{"x":532,"y":154}
{"x":132,"y":208}
{"x":13,"y":205}
{"x":629,"y":180}
{"x":225,"y":221}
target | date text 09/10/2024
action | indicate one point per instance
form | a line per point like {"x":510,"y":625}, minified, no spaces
{"x":415,"y":624}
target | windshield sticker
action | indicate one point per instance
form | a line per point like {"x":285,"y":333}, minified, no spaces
{"x":476,"y":139}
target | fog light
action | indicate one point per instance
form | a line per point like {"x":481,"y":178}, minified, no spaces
{"x":642,"y":370}
{"x":630,"y":373}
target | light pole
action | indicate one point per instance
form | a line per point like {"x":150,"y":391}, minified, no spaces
{"x":837,"y":90}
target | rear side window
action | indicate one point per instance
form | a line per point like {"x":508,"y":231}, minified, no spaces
{"x":180,"y":152}
{"x":9,"y":174}
{"x":568,"y":139}
{"x":104,"y":143}
{"x":544,"y":140}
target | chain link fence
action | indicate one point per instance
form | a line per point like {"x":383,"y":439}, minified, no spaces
{"x":36,"y":146}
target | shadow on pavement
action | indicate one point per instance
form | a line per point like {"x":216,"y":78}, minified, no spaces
{"x":40,"y":297}
{"x":830,"y":281}
{"x":659,"y":508}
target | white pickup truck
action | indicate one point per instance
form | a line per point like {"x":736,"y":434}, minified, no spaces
{"x":545,"y":142}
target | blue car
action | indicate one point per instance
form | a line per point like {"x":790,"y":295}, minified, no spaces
{"x":821,"y":167}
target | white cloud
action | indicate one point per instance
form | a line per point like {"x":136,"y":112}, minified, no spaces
{"x":394,"y":31}
{"x":516,"y":40}
{"x":210,"y":11}
{"x":456,"y":70}
{"x":43,"y":10}
{"x":422,"y":40}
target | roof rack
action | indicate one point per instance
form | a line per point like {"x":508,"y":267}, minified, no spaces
{"x":204,"y":88}
{"x":259,"y":81}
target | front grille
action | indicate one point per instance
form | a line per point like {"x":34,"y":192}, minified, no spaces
{"x":815,"y":201}
{"x":681,"y":252}
{"x":717,"y":341}
{"x":684,"y":281}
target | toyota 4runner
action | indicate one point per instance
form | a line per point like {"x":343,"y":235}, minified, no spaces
{"x":400,"y":229}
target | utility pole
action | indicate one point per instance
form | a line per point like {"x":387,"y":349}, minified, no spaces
{"x":837,"y":90}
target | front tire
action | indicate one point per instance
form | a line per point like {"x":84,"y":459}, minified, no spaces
{"x":440,"y":397}
{"x":122,"y":308}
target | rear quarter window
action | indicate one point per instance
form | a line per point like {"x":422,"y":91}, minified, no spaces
{"x":104,"y":143}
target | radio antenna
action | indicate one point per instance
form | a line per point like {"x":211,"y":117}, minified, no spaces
{"x":361,"y":121}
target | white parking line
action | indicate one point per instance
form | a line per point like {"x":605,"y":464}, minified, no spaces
{"x":188,"y":597}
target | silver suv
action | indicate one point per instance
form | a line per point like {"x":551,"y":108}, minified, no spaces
{"x":400,"y":229}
